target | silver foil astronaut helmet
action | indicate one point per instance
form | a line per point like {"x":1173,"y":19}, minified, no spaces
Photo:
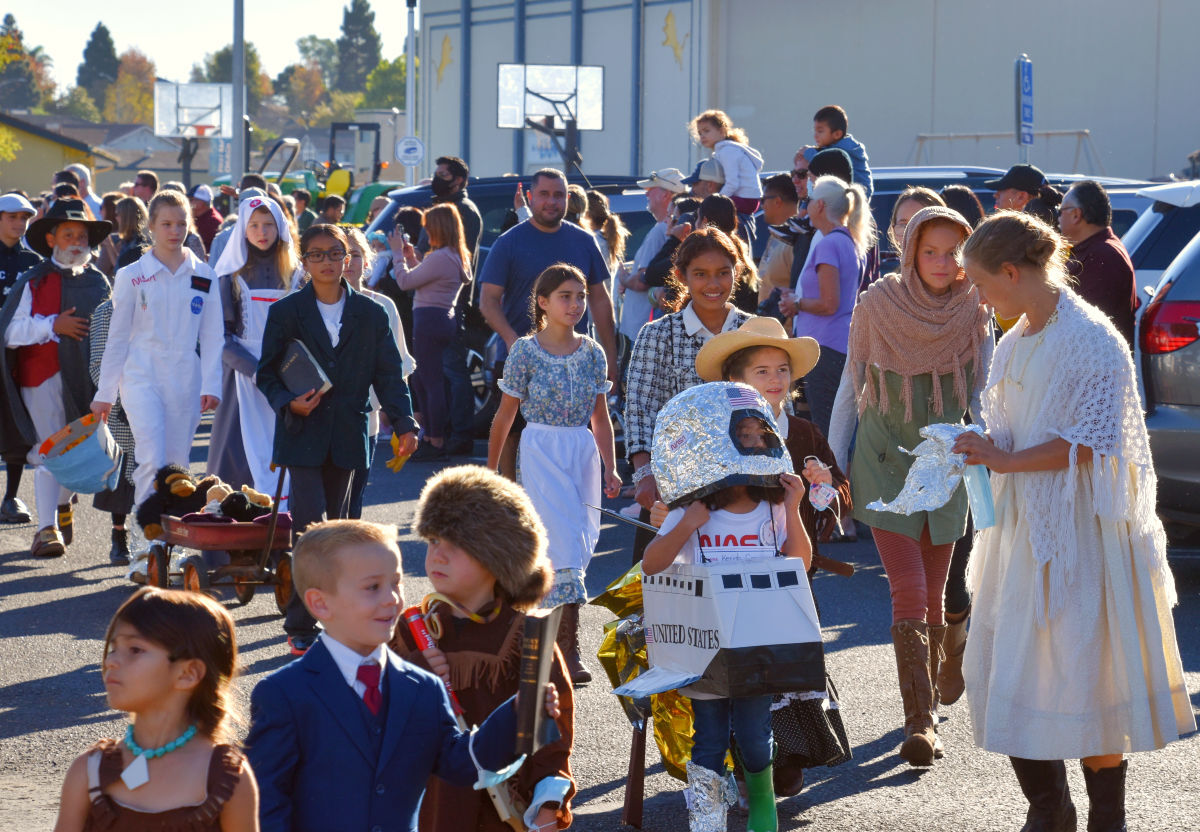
{"x":714,"y":436}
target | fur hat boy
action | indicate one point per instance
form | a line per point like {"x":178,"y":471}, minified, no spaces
{"x":492,"y":519}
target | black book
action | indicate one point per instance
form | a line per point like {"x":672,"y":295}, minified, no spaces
{"x":534,"y":727}
{"x":300,"y":371}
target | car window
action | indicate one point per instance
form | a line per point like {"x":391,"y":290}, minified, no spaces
{"x":1166,"y":239}
{"x":1184,"y":273}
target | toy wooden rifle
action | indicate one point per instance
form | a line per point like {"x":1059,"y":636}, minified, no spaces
{"x":502,"y":801}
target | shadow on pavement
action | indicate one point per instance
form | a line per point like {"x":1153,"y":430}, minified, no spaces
{"x":59,"y":701}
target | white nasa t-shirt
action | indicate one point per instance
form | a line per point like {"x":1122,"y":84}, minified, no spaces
{"x":726,"y":536}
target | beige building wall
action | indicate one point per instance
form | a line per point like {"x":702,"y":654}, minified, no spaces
{"x":1122,"y":70}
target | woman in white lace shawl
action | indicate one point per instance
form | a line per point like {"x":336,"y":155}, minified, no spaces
{"x":1072,"y":651}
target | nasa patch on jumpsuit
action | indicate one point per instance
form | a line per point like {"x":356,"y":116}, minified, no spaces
{"x":197,"y":305}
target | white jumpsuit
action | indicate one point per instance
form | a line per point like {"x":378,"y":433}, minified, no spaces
{"x":159,"y":320}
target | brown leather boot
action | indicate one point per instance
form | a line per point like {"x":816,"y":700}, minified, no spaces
{"x":911,"y":640}
{"x":937,"y":635}
{"x":949,"y":678}
{"x":568,"y":642}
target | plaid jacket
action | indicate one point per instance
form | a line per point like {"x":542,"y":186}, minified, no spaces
{"x":661,"y":366}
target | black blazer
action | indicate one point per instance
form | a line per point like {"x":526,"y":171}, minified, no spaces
{"x":366,"y":356}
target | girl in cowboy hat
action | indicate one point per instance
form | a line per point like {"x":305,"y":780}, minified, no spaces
{"x":760,"y":354}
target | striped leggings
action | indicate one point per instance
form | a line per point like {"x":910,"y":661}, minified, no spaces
{"x":916,"y":571}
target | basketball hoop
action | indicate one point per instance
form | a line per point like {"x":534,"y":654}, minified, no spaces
{"x":193,"y":111}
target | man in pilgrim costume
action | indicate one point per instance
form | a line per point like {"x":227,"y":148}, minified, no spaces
{"x":45,"y":367}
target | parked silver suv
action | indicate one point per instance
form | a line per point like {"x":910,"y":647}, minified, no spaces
{"x":1170,"y":348}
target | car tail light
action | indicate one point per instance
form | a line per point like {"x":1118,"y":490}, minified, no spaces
{"x":1169,"y":325}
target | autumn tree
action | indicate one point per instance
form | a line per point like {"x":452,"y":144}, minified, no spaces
{"x":359,"y":49}
{"x":320,"y":51}
{"x":131,"y":99}
{"x":386,"y":84}
{"x":303,"y":90}
{"x":98,"y":72}
{"x":24,"y":77}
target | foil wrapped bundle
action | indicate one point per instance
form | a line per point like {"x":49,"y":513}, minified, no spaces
{"x":935,"y":473}
{"x":702,"y":443}
{"x":622,"y":654}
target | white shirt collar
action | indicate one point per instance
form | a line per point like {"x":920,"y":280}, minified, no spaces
{"x":348,"y":660}
{"x":152,"y":265}
{"x":692,"y":324}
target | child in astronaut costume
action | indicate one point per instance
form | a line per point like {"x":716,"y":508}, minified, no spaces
{"x":258,"y":267}
{"x":160,"y":313}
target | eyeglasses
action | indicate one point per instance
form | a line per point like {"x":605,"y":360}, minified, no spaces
{"x":800,"y":173}
{"x":333,"y":255}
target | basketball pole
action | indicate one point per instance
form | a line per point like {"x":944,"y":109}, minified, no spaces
{"x":238,"y":156}
{"x":410,"y":82}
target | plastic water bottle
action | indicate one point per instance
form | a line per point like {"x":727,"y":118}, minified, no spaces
{"x":979,"y":496}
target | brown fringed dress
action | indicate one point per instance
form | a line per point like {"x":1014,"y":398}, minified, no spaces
{"x":485,"y":662}
{"x":224,"y":773}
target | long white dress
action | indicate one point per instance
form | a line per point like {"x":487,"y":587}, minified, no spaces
{"x":1103,"y":674}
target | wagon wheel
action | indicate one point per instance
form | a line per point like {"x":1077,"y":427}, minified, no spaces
{"x":195,"y":574}
{"x":243,"y":588}
{"x":158,"y":566}
{"x":283,"y":582}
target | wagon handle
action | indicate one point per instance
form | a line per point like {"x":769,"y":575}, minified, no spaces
{"x":266,"y":555}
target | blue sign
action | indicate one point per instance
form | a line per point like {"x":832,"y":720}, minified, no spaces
{"x":410,"y":151}
{"x":1024,"y":100}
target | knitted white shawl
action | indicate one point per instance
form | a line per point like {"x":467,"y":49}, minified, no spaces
{"x":1092,"y":401}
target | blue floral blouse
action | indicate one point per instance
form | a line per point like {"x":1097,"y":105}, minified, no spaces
{"x":558,"y":390}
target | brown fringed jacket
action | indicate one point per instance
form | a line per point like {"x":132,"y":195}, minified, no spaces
{"x":485,"y":662}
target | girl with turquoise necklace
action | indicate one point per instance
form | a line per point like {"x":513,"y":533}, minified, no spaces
{"x":169,"y":657}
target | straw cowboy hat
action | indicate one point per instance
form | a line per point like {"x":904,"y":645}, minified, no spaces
{"x":65,"y":210}
{"x":756,"y":332}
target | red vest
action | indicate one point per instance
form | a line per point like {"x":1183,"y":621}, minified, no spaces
{"x":38,"y":362}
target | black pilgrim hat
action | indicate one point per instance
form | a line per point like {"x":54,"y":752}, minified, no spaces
{"x":65,"y":210}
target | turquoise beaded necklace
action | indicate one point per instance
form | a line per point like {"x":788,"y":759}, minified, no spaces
{"x":151,"y":753}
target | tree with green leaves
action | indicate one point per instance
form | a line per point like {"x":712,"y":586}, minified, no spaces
{"x":359,"y":47}
{"x":76,"y":102}
{"x":320,"y":51}
{"x":303,"y":90}
{"x":218,"y":69}
{"x":386,"y":84}
{"x":98,"y":72}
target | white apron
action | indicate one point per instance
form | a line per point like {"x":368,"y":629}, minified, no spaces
{"x":560,"y":469}
{"x":256,"y":417}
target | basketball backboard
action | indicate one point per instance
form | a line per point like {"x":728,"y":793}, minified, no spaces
{"x":203,"y":111}
{"x":535,"y":91}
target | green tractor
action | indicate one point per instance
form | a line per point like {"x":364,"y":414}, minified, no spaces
{"x":353,"y":159}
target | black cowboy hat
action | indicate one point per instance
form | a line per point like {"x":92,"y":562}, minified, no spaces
{"x":65,"y":210}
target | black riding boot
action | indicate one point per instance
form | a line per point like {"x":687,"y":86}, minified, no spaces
{"x":1044,"y":783}
{"x":1106,"y":791}
{"x":119,"y":553}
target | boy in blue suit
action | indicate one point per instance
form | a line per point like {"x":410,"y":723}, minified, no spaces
{"x":323,"y":438}
{"x":345,"y":737}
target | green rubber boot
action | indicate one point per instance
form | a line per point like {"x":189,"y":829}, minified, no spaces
{"x":760,"y":792}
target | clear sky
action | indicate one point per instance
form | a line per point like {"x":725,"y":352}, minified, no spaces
{"x":177,"y":34}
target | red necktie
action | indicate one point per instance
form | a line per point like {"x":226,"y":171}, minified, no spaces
{"x":368,"y":674}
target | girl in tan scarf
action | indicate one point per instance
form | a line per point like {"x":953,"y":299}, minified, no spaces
{"x":916,"y":355}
